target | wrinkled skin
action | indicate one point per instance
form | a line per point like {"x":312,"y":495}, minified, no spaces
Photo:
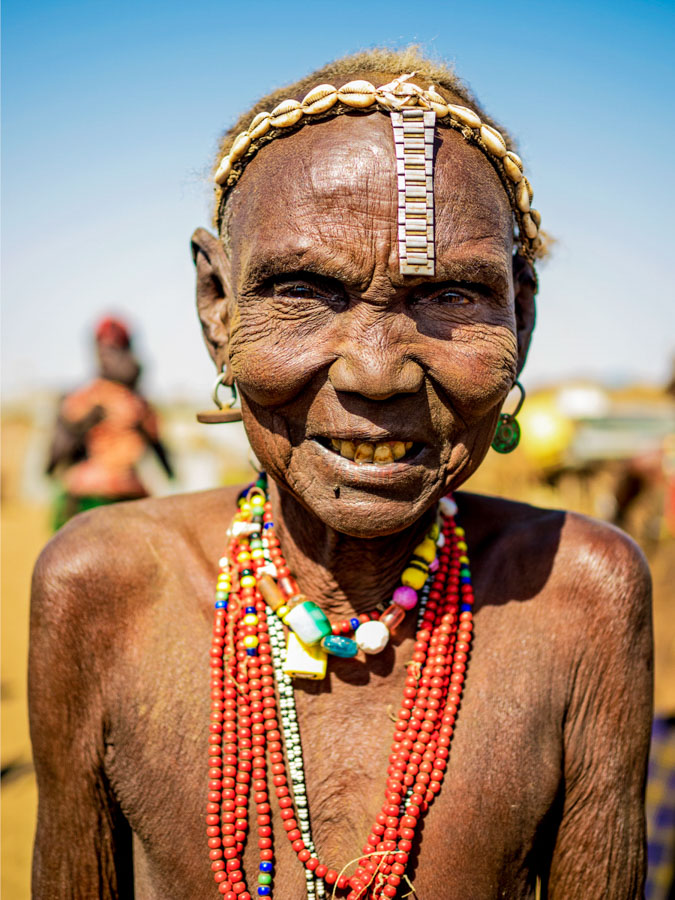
{"x":326,"y":339}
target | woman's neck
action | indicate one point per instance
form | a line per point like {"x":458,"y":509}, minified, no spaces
{"x":345,"y":575}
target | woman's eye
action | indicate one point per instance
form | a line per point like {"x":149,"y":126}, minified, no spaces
{"x":305,"y":290}
{"x":296,"y":289}
{"x":453,"y":297}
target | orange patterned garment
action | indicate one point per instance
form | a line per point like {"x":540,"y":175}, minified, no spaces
{"x":115,"y":445}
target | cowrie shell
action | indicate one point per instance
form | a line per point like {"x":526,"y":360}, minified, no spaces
{"x":241,"y":144}
{"x":536,"y":215}
{"x":465,"y":115}
{"x":493,"y":140}
{"x":223,"y":170}
{"x":512,"y":169}
{"x":287,"y":113}
{"x":523,"y":196}
{"x":259,"y":126}
{"x":359,"y":94}
{"x":437,"y":103}
{"x":515,"y":159}
{"x":529,"y":227}
{"x":320,"y":99}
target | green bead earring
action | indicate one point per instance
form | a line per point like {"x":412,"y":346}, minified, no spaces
{"x":507,"y":434}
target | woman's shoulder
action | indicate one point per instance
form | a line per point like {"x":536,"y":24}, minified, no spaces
{"x":105,"y":556}
{"x":574,"y":556}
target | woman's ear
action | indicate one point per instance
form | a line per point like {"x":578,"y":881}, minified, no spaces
{"x":525,"y":288}
{"x":215,"y":299}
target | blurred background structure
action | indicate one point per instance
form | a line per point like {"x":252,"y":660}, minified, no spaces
{"x":112,"y":115}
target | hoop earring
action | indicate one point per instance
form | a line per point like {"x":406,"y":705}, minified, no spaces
{"x":507,"y":433}
{"x":229,"y":413}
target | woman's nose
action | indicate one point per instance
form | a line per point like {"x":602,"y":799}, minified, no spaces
{"x":375,"y":369}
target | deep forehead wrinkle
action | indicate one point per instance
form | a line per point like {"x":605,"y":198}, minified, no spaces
{"x":324,"y":201}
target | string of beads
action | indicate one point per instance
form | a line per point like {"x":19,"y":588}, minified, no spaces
{"x":249,"y":717}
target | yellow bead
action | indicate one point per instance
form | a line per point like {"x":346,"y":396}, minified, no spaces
{"x":283,"y":611}
{"x":464,"y":559}
{"x":434,"y":531}
{"x":461,"y":545}
{"x":257,"y":554}
{"x":243,"y":556}
{"x":250,"y":619}
{"x":459,"y":532}
{"x":413,"y":578}
{"x":245,"y":508}
{"x":257,"y":500}
{"x":250,"y":641}
{"x":304,"y":660}
{"x":247,"y":581}
{"x":427,"y":550}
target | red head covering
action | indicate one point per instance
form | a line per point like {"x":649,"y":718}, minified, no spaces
{"x":113,"y":332}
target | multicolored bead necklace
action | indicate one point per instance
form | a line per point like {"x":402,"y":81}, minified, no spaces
{"x":255,"y":594}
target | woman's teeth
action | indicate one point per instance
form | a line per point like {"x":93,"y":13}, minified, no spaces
{"x":366,"y":452}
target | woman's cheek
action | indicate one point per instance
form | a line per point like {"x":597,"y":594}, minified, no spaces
{"x":476,"y":369}
{"x":272,"y":365}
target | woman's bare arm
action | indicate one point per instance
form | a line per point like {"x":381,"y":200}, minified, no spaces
{"x":600,"y":846}
{"x":83,"y":843}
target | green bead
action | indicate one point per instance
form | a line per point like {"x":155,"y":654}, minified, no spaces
{"x":264,"y":878}
{"x":507,"y":435}
{"x":337,"y":645}
{"x":308,"y":621}
{"x":222,"y":595}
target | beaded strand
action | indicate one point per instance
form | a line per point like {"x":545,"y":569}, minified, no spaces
{"x":247,"y":654}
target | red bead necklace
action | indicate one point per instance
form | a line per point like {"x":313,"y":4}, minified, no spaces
{"x":245,"y":727}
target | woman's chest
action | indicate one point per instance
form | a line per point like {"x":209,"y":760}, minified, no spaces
{"x":476,"y":839}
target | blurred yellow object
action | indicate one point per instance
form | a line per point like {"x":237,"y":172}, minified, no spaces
{"x":546,"y":432}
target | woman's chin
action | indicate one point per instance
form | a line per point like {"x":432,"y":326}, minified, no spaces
{"x":363,"y":500}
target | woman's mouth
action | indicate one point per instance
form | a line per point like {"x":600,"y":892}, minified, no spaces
{"x":380,"y":453}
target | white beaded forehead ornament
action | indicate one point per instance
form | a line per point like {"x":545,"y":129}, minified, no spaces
{"x":414,"y":113}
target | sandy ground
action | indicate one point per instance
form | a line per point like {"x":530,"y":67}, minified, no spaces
{"x":25,"y":530}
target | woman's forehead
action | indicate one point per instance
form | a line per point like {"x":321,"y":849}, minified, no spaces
{"x":334,"y":183}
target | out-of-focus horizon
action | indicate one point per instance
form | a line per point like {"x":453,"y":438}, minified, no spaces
{"x":112,"y":115}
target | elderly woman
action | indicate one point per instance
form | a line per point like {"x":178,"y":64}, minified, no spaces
{"x":403,"y":690}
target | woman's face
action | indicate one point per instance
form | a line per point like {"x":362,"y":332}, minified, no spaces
{"x":331,"y":347}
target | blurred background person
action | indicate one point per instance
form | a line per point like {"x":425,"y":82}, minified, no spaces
{"x":102,"y":431}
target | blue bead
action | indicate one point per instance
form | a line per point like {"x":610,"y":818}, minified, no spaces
{"x":251,"y":651}
{"x":354,"y":623}
{"x":251,"y":609}
{"x":264,"y":890}
{"x":465,"y":579}
{"x":465,"y":607}
{"x":266,"y":867}
{"x":268,"y":525}
{"x":221,"y":604}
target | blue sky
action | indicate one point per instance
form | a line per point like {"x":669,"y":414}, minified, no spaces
{"x":111,"y":114}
